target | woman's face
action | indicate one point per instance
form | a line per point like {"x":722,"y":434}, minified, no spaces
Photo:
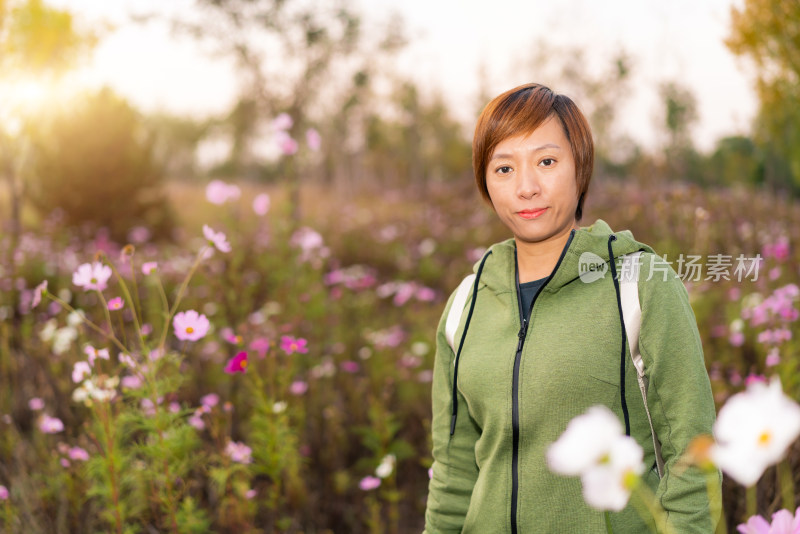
{"x":531,"y":181}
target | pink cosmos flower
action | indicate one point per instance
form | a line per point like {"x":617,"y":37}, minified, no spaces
{"x":149,"y":267}
{"x":298,"y":387}
{"x":291,"y":345}
{"x":216,"y":239}
{"x":286,"y":143}
{"x":210,"y":400}
{"x":239,"y":452}
{"x":36,"y":404}
{"x":3,"y":493}
{"x":190,"y":325}
{"x":773,"y":357}
{"x":116,"y":304}
{"x":131,"y":382}
{"x":219,"y":192}
{"x":261,"y":204}
{"x":313,"y":139}
{"x":782,"y":523}
{"x":80,"y":371}
{"x":196,"y":420}
{"x":350,"y":366}
{"x":369,"y":483}
{"x":64,"y":463}
{"x":77,"y":453}
{"x":50,"y":425}
{"x":250,"y":494}
{"x":93,"y":354}
{"x":736,"y":339}
{"x":261,"y":346}
{"x":237,"y":364}
{"x":92,"y":276}
{"x":282,"y":122}
{"x":38,"y":292}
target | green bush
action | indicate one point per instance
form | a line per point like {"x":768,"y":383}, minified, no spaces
{"x":94,"y":162}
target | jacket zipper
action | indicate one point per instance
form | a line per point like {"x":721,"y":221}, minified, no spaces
{"x":522,"y":335}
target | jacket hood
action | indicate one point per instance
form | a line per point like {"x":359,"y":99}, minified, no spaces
{"x":498,"y":274}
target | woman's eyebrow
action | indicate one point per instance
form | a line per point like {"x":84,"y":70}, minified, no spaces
{"x":537,"y":149}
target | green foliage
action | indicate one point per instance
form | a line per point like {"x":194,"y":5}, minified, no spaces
{"x":766,"y":32}
{"x":95,"y":164}
{"x":36,"y":38}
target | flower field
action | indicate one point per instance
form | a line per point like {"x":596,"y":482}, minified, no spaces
{"x":261,"y":374}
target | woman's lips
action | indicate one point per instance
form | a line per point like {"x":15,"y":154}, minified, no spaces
{"x":531,"y":214}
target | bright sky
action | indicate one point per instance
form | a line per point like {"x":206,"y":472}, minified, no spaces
{"x":679,"y":40}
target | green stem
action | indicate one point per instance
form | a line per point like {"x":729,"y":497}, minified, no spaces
{"x":715,"y":500}
{"x":87,"y":322}
{"x":179,"y":296}
{"x":787,"y":484}
{"x":752,"y":501}
{"x":607,"y":517}
{"x":138,"y":306}
{"x":129,"y":299}
{"x":646,"y":499}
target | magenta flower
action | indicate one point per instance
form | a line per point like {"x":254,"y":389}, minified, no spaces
{"x":216,"y":239}
{"x":239,"y":452}
{"x":313,"y":139}
{"x":77,"y":453}
{"x":237,"y":364}
{"x":38,"y":292}
{"x":92,"y":276}
{"x":261,"y":204}
{"x":36,"y":404}
{"x":116,"y":304}
{"x":80,"y":371}
{"x":261,"y":346}
{"x":291,"y":345}
{"x":190,"y":325}
{"x":50,"y":425}
{"x":369,"y":483}
{"x":250,"y":494}
{"x":196,"y":420}
{"x":149,"y":267}
{"x":3,"y":493}
{"x":298,"y":387}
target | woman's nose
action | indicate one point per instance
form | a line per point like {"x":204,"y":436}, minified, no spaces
{"x":528,"y":183}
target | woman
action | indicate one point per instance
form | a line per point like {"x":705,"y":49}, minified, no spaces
{"x":544,"y":343}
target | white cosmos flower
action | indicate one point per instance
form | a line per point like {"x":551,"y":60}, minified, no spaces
{"x":595,"y":448}
{"x":386,"y":466}
{"x":753,"y":430}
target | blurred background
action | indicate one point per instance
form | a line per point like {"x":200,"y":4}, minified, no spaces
{"x":331,"y":142}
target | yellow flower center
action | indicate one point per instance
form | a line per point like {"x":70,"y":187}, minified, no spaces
{"x":765,"y":438}
{"x":243,"y":364}
{"x":189,"y":329}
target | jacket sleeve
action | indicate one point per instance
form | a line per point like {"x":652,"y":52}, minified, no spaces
{"x":454,"y":467}
{"x":679,"y":394}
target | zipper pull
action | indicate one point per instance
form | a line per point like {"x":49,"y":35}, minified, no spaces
{"x":521,"y":335}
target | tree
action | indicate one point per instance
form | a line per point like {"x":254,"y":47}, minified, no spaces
{"x":768,"y":33}
{"x":95,"y":162}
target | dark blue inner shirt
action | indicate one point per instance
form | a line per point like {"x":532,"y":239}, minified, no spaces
{"x":529,"y":291}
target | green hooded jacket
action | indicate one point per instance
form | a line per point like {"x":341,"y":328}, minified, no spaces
{"x":570,"y":360}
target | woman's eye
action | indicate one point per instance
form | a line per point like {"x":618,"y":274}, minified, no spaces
{"x":547,"y":162}
{"x":505,"y":169}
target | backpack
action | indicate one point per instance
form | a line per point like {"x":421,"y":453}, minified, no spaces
{"x":632,"y":316}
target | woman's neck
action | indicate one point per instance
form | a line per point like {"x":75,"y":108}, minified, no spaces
{"x":537,"y":260}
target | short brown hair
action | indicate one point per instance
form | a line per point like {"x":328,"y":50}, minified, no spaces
{"x":520,"y":111}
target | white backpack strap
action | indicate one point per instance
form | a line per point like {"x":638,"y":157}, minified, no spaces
{"x":457,"y":310}
{"x":632,"y":315}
